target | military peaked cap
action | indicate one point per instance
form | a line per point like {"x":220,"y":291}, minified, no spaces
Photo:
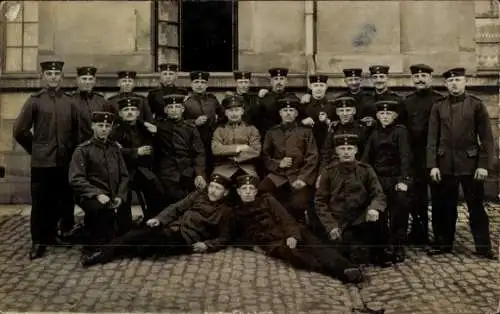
{"x":421,"y":68}
{"x":101,"y":116}
{"x":199,"y":75}
{"x":355,"y":72}
{"x":278,"y":72}
{"x":379,"y":69}
{"x":217,"y":178}
{"x":232,"y":102}
{"x":387,"y":105}
{"x":52,"y":65}
{"x":168,"y":67}
{"x":344,"y":102}
{"x":318,"y":78}
{"x":129,"y":102}
{"x":174,"y":99}
{"x":90,"y":70}
{"x":454,"y":72}
{"x":127,"y":74}
{"x":238,"y":75}
{"x":346,"y":139}
{"x":247,"y":179}
{"x":288,"y":103}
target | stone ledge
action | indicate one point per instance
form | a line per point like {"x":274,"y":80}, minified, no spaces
{"x":224,"y":80}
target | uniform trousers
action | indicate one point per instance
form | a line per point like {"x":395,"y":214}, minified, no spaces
{"x":444,"y":215}
{"x":52,"y":201}
{"x":151,"y":189}
{"x":175,"y":191}
{"x":364,"y":242}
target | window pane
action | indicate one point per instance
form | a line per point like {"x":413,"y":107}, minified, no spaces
{"x":13,"y":11}
{"x":168,"y":55}
{"x":31,"y":11}
{"x":168,"y":11}
{"x":168,"y":34}
{"x":13,"y":60}
{"x":30,"y":59}
{"x":14,"y":34}
{"x":30,"y":34}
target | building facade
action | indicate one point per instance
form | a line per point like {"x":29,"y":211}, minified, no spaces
{"x":221,"y":36}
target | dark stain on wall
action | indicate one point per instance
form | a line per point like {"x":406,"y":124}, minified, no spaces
{"x":365,"y":35}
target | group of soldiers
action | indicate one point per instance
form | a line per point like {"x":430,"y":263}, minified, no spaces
{"x":324,"y":184}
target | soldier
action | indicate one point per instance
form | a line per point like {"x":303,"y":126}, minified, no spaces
{"x":353,"y":81}
{"x":87,"y":99}
{"x":137,"y":142}
{"x":253,"y":111}
{"x":99,"y":177}
{"x":199,"y":223}
{"x":269,"y":99}
{"x":291,"y":158}
{"x":349,"y":201}
{"x":168,"y":76}
{"x":235,"y":145}
{"x":203,"y":109}
{"x":459,"y":151}
{"x":180,"y":155}
{"x":418,"y":107}
{"x":126,"y":82}
{"x":261,"y":220}
{"x":54,"y":117}
{"x":388,"y":151}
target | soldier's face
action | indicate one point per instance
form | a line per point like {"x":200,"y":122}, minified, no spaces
{"x":456,"y":85}
{"x":129,"y":114}
{"x":234,"y":114}
{"x":421,"y":80}
{"x":318,"y":89}
{"x":380,"y":81}
{"x":168,"y":77}
{"x":174,"y":111}
{"x":85,"y":83}
{"x":247,"y":193}
{"x":353,"y":82}
{"x":199,"y":86}
{"x":278,"y":83}
{"x":216,"y":191}
{"x":52,"y":78}
{"x":386,"y":117}
{"x":126,"y":84}
{"x":346,"y":114}
{"x":242,"y":86}
{"x":102,"y":129}
{"x":288,"y":114}
{"x":346,"y":152}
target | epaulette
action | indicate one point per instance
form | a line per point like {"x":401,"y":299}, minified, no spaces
{"x":39,"y":93}
{"x":86,"y":143}
{"x":113,"y":97}
{"x":474,"y":97}
{"x":400,"y":126}
{"x":98,"y":94}
{"x":139,"y":96}
{"x":69,"y":93}
{"x":210,"y":95}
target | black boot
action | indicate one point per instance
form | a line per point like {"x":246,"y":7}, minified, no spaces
{"x":485,"y":254}
{"x":399,"y":254}
{"x":353,"y":275}
{"x":37,"y":251}
{"x":98,"y":257}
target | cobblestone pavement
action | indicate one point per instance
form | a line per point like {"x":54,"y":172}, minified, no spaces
{"x":235,"y":280}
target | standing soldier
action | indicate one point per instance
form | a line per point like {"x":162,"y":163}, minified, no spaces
{"x":353,"y":81}
{"x":418,"y":106}
{"x":87,"y":100}
{"x":168,"y":76}
{"x":459,"y":152}
{"x":203,"y":109}
{"x":126,"y":82}
{"x":291,"y":159}
{"x":54,"y":118}
{"x":253,"y":111}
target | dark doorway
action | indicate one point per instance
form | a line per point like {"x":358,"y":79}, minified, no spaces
{"x":207,"y":35}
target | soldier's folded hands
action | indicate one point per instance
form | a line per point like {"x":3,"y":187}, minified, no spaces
{"x":103,"y":199}
{"x":480,"y":174}
{"x":291,"y":242}
{"x":372,"y":215}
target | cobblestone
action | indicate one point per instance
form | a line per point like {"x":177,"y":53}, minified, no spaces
{"x":237,"y":280}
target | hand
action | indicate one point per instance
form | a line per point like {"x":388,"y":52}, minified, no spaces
{"x":150,"y":127}
{"x":372,"y":215}
{"x":243,"y":148}
{"x":317,"y":182}
{"x":200,"y":183}
{"x":263,"y":92}
{"x":480,"y":174}
{"x":291,"y":242}
{"x":402,"y":187}
{"x":435,"y":174}
{"x":201,"y":120}
{"x":286,"y":162}
{"x":117,"y":202}
{"x":103,"y":199}
{"x":298,"y":184}
{"x":144,"y":150}
{"x":305,"y":98}
{"x":153,"y":223}
{"x":229,"y":94}
{"x":335,"y":234}
{"x":200,"y":247}
{"x":308,"y":121}
{"x":368,"y":120}
{"x":323,"y":117}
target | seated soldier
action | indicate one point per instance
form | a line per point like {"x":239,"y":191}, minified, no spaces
{"x":388,"y":152}
{"x":200,"y":222}
{"x":262,"y":221}
{"x":99,"y":178}
{"x":179,"y":153}
{"x":136,"y":141}
{"x":235,"y":145}
{"x":291,"y":160}
{"x":348,"y":202}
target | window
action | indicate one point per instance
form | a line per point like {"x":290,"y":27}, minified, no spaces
{"x":20,"y":34}
{"x":197,"y":35}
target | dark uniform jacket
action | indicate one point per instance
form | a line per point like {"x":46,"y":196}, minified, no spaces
{"x":460,"y":138}
{"x":264,"y":222}
{"x":345,"y":194}
{"x":204,"y":104}
{"x":369,"y":110}
{"x":55,"y":121}
{"x":388,"y":152}
{"x":328,"y":154}
{"x":87,"y":102}
{"x":145,"y":110}
{"x":200,"y":220}
{"x":418,"y":107}
{"x":363,"y":99}
{"x":155,"y":97}
{"x":179,"y":152}
{"x":292,"y":141}
{"x":270,"y":109}
{"x":98,"y":167}
{"x":313,"y":110}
